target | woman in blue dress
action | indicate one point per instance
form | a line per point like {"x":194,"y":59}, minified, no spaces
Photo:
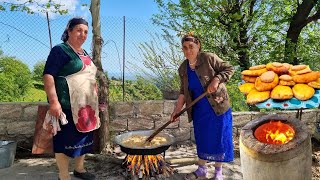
{"x":69,"y":81}
{"x":211,"y":115}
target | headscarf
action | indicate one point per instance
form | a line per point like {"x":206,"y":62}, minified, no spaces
{"x":71,"y":24}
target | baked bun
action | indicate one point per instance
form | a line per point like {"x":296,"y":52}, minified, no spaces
{"x":299,"y":69}
{"x":314,"y":84}
{"x":285,"y":77}
{"x":250,"y":79}
{"x":267,"y":77}
{"x":262,"y":86}
{"x":278,"y":68}
{"x":281,"y":92}
{"x":287,"y":83}
{"x":257,"y":72}
{"x":245,"y":88}
{"x":302,"y":91}
{"x":255,"y":96}
{"x":305,"y":78}
{"x":262,"y":66}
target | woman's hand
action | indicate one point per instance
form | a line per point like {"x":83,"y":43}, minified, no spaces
{"x":172,"y":117}
{"x":55,"y":109}
{"x":213,"y":86}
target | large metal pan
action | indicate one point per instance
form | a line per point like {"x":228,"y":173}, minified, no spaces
{"x":144,"y":150}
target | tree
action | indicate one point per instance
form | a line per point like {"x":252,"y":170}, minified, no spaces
{"x":103,"y":138}
{"x":15,"y":79}
{"x":222,"y":25}
{"x":306,"y":12}
{"x":38,"y":71}
{"x":161,"y":58}
{"x":24,"y":6}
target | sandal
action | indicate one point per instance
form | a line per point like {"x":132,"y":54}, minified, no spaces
{"x":193,"y":175}
{"x":200,"y":173}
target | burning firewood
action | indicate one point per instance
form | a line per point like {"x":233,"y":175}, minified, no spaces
{"x":146,"y":166}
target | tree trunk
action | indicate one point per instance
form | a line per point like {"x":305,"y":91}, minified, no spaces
{"x":298,"y":22}
{"x":102,"y":136}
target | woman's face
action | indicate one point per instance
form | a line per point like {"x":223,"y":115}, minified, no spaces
{"x":190,"y":49}
{"x":78,"y":34}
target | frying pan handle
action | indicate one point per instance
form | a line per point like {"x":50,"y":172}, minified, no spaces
{"x":176,"y":116}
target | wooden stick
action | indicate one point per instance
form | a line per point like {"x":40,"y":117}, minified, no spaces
{"x":176,"y":116}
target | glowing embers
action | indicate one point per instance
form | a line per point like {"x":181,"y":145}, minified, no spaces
{"x":274,"y":132}
{"x":146,"y":166}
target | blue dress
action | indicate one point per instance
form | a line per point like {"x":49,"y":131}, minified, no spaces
{"x":213,"y":134}
{"x":69,"y":140}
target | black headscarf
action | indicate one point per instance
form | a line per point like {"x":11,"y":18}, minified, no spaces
{"x":71,"y":24}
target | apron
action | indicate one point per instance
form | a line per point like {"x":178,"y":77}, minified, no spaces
{"x":83,"y":92}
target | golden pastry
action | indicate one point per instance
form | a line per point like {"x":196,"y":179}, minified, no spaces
{"x":302,"y":91}
{"x":314,"y":84}
{"x":281,"y":92}
{"x":305,"y":78}
{"x":250,"y":79}
{"x":287,"y":83}
{"x":257,"y":72}
{"x":285,"y":77}
{"x":278,"y":68}
{"x":245,"y":88}
{"x":262,"y":86}
{"x":262,"y":66}
{"x":299,"y":69}
{"x":268,"y":76}
{"x":255,"y":96}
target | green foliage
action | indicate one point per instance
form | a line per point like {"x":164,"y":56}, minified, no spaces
{"x":15,"y":79}
{"x":40,"y":5}
{"x":134,"y":90}
{"x":38,"y":70}
{"x":162,"y":61}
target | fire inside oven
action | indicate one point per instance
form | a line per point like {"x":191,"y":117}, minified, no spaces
{"x":274,"y":132}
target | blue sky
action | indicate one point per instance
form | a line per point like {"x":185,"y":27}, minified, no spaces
{"x":26,"y":36}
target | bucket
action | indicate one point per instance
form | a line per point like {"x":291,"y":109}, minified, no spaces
{"x":7,"y":153}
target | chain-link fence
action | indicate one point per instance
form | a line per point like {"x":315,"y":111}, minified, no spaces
{"x":27,"y":38}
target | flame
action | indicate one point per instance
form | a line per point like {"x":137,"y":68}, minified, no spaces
{"x":274,"y":132}
{"x":146,"y":164}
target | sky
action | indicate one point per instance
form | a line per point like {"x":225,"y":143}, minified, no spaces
{"x":21,"y":37}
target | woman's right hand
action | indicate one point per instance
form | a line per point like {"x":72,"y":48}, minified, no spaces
{"x":172,"y":117}
{"x":55,"y":109}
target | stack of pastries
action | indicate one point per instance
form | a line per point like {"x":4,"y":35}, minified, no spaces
{"x":280,"y":81}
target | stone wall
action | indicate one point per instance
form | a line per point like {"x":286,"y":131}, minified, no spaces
{"x":17,"y":120}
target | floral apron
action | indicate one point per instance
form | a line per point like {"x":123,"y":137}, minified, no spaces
{"x":83,"y":92}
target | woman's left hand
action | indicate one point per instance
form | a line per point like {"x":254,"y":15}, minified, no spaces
{"x":213,"y":86}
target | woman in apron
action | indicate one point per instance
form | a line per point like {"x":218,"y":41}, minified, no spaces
{"x":71,"y":88}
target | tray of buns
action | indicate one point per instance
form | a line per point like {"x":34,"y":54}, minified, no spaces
{"x":281,"y":85}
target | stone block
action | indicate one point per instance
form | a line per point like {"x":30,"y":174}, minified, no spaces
{"x":123,"y":109}
{"x":10,"y":111}
{"x":119,"y":124}
{"x":241,"y":119}
{"x":29,"y":112}
{"x":160,"y":121}
{"x":168,"y":107}
{"x":184,"y":123}
{"x":309,"y":116}
{"x":148,"y":108}
{"x":140,"y":123}
{"x":180,"y":134}
{"x":3,"y":128}
{"x":21,"y":127}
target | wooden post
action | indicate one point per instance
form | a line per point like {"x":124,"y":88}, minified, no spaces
{"x":102,"y":137}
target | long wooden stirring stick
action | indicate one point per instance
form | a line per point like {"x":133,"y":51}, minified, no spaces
{"x":176,"y":116}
